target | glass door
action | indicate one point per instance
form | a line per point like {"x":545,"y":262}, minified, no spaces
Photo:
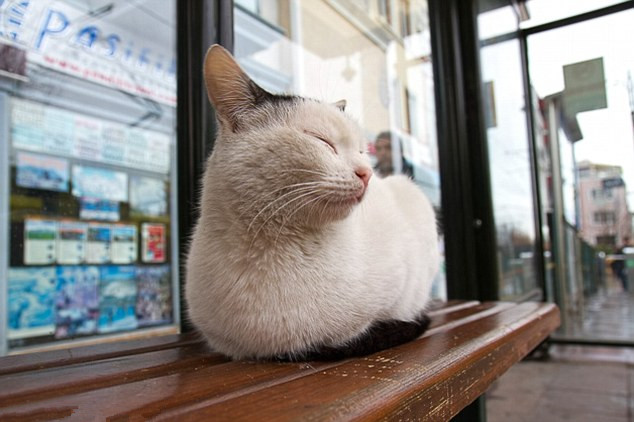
{"x":583,"y":79}
{"x":87,"y":171}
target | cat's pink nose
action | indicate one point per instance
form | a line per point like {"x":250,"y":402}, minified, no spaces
{"x":364,"y":174}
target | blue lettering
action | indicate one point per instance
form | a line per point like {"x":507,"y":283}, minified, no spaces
{"x":172,"y":69}
{"x":143,"y":59}
{"x":127,"y":54}
{"x":87,"y":36}
{"x":112,"y":41}
{"x":54,"y":23}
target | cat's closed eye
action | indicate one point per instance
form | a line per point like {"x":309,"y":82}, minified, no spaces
{"x":322,"y":139}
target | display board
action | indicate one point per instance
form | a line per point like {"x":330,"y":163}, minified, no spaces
{"x":89,"y":227}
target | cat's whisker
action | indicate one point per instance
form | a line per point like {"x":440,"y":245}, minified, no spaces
{"x":295,"y":185}
{"x":317,"y":172}
{"x":270,"y":204}
{"x":310,"y":201}
{"x":275,"y":212}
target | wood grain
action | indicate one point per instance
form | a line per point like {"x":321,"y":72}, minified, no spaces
{"x":469,"y":345}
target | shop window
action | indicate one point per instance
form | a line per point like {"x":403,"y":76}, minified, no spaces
{"x":87,"y":163}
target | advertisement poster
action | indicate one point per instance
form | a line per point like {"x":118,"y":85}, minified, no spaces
{"x":52,"y":130}
{"x":117,"y":299}
{"x":111,"y":54}
{"x":41,"y":172}
{"x":100,"y":183}
{"x":153,"y":242}
{"x":98,"y":244}
{"x":98,"y":209}
{"x":148,"y":196}
{"x":31,"y":302}
{"x":76,"y":301}
{"x":40,"y":238}
{"x":124,"y":244}
{"x":154,"y":299}
{"x":71,"y":242}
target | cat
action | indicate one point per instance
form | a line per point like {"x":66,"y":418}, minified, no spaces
{"x":299,"y":253}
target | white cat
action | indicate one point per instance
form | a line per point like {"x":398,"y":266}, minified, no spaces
{"x":299,"y":253}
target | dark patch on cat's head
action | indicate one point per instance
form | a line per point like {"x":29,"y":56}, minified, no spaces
{"x":260,"y":96}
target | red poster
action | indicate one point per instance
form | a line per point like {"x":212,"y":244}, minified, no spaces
{"x":153,"y":242}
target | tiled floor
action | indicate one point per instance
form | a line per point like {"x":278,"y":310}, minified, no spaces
{"x":576,"y":383}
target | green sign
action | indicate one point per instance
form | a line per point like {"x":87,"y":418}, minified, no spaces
{"x":585,"y":87}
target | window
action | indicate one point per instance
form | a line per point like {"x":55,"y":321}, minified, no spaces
{"x":88,"y":171}
{"x":334,"y":49}
{"x":605,"y":217}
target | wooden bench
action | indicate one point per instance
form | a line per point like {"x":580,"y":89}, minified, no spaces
{"x":468,"y":346}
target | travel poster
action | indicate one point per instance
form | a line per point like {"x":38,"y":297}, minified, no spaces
{"x":31,"y":302}
{"x":71,"y":242}
{"x":100,"y":183}
{"x":98,"y":244}
{"x":41,"y":172}
{"x":153,"y":242}
{"x":154,"y":298}
{"x":148,"y":196}
{"x":76,"y":301}
{"x":117,"y":299}
{"x":98,"y":209}
{"x":124,"y":244}
{"x":40,"y":241}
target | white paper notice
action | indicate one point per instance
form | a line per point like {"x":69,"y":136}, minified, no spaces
{"x":39,"y":241}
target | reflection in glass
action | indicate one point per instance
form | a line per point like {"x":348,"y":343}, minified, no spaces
{"x":582,"y":82}
{"x":374,"y":54}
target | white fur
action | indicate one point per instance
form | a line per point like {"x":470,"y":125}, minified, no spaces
{"x":273,"y":270}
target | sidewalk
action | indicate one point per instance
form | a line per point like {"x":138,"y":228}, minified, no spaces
{"x":577,"y":383}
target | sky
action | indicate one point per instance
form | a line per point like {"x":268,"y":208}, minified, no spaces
{"x":608,"y":136}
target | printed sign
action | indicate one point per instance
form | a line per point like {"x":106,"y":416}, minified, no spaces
{"x":66,"y":38}
{"x":153,"y":240}
{"x":154,"y":298}
{"x":31,"y":302}
{"x":98,"y":244}
{"x":76,"y":301}
{"x":117,"y":299}
{"x":124,"y":244}
{"x":98,"y":209}
{"x":148,"y":196}
{"x":40,"y":242}
{"x":41,"y":172}
{"x":71,"y":242}
{"x":100,"y":183}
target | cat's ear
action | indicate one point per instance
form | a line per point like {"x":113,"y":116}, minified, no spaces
{"x":230,"y":90}
{"x":341,"y":105}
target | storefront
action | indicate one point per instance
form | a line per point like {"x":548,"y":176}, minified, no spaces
{"x":88,"y":129}
{"x":105,"y":126}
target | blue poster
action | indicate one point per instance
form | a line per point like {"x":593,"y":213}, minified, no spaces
{"x":41,"y":172}
{"x":154,"y":299}
{"x":98,"y":209}
{"x":100,"y":183}
{"x":76,"y":301}
{"x":31,"y":302}
{"x":117,"y":299}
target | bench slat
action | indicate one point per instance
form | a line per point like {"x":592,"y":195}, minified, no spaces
{"x":468,"y":346}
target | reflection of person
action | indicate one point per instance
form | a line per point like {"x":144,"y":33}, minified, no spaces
{"x":384,"y":159}
{"x":618,"y":265}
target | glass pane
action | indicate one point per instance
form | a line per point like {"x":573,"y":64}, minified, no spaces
{"x":375,"y":54}
{"x":586,"y":95}
{"x":87,"y":132}
{"x":510,"y":163}
{"x":543,"y":11}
